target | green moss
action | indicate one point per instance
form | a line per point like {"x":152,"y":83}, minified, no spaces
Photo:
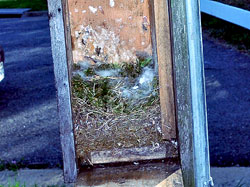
{"x":76,"y":67}
{"x":89,"y":72}
{"x":99,"y":91}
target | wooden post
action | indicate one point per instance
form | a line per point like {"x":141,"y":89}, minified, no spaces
{"x":198,"y":95}
{"x":59,"y":54}
{"x":190,"y":92}
{"x":165,"y":68}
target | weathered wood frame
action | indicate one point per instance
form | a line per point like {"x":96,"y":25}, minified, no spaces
{"x":189,"y":84}
{"x":60,"y":45}
{"x":190,"y":92}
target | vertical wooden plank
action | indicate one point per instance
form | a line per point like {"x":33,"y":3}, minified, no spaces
{"x":190,"y":92}
{"x":198,"y":97}
{"x":67,"y":31}
{"x":183,"y":90}
{"x":153,"y":35}
{"x":59,"y":55}
{"x":165,"y":67}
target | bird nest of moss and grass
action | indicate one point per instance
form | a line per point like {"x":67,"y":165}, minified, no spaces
{"x":111,"y":109}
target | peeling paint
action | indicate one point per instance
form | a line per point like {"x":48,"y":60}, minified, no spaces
{"x":107,"y":42}
{"x":101,"y":9}
{"x":93,"y":9}
{"x":112,"y":3}
{"x":118,"y":20}
{"x":110,"y":31}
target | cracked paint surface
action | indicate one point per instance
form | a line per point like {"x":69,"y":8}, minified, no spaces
{"x":110,"y":31}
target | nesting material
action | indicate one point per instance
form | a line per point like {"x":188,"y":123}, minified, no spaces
{"x":115,"y":106}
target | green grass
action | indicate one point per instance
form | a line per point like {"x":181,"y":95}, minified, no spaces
{"x":103,"y":92}
{"x":230,"y":33}
{"x":33,"y":4}
{"x":14,"y":183}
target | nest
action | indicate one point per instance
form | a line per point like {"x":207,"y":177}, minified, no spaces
{"x":105,"y":119}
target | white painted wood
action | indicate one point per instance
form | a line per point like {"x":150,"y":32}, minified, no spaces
{"x":228,"y":13}
{"x":58,"y":44}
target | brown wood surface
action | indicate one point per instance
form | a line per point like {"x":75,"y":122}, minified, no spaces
{"x":133,"y":154}
{"x":165,"y":67}
{"x":67,"y":30}
{"x":124,"y":26}
{"x":174,"y":180}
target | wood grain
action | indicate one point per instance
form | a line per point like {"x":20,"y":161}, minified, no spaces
{"x":183,"y":90}
{"x":133,"y":154}
{"x":125,"y":28}
{"x":58,"y":45}
{"x":165,"y":67}
{"x":174,"y":180}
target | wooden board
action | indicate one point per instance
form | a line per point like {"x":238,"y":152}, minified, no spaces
{"x":165,"y":66}
{"x":147,"y":174}
{"x":133,"y":154}
{"x":174,"y":180}
{"x":190,"y":92}
{"x":110,"y":31}
{"x":59,"y":54}
{"x":183,"y":92}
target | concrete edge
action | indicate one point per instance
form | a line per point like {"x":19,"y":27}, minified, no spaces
{"x":223,"y":176}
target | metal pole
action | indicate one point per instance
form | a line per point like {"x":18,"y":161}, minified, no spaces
{"x":199,"y":113}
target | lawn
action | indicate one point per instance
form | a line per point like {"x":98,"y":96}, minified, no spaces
{"x":33,"y":4}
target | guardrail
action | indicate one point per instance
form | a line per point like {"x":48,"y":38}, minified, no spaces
{"x":228,"y":13}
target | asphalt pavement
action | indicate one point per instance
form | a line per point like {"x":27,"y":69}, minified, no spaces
{"x":28,"y":110}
